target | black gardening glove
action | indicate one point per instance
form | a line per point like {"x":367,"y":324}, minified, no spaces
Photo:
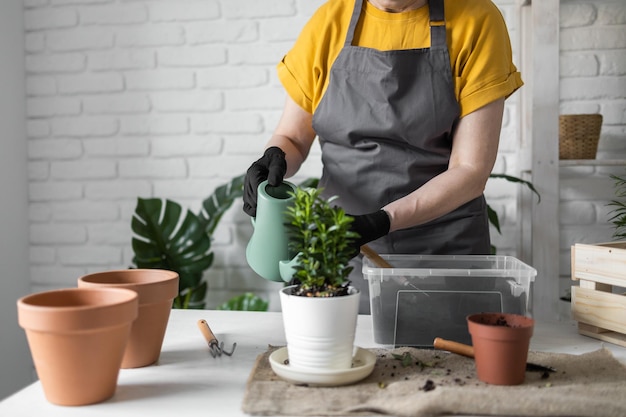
{"x":272,"y":166}
{"x":369,"y":227}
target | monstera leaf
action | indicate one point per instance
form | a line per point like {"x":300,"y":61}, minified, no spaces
{"x":160,"y":242}
{"x":166,"y":237}
{"x":214,"y":207}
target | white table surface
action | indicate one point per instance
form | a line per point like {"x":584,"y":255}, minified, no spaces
{"x":188,"y":382}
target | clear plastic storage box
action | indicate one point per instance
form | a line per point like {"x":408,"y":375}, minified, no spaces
{"x":428,"y":296}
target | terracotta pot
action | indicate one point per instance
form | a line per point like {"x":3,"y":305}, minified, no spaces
{"x":157,"y":289}
{"x":501,"y":344}
{"x":319,"y":330}
{"x":77,"y":338}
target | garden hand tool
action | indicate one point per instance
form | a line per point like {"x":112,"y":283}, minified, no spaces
{"x":468,"y":351}
{"x":216,"y":348}
{"x":378,"y":260}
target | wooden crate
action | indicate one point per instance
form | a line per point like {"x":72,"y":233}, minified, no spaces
{"x":599,"y":310}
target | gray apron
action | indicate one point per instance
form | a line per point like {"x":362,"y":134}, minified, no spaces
{"x":385,"y":126}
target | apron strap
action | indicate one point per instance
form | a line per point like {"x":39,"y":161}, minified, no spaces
{"x":437,"y":24}
{"x":356,"y":13}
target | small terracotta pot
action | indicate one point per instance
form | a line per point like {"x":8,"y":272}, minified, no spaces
{"x":157,"y":289}
{"x":501,"y":343}
{"x":77,"y":338}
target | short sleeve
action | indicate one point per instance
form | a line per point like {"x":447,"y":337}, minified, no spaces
{"x":482,"y":59}
{"x":305,"y":69}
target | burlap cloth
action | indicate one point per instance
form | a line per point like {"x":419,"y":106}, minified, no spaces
{"x":441,"y":383}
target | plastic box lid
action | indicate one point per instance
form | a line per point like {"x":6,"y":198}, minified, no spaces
{"x":450,"y":265}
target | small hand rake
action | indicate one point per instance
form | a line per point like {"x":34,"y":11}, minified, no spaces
{"x":216,"y":348}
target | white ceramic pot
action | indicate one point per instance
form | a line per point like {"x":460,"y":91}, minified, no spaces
{"x":319,"y":330}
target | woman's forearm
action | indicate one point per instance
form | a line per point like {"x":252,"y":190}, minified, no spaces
{"x":294,"y":134}
{"x":474,"y":151}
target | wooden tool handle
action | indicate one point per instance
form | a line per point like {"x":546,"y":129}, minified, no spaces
{"x":375,"y":257}
{"x":454,"y":347}
{"x":206,"y":331}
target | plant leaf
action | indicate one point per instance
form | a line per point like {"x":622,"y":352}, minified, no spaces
{"x":245,"y":302}
{"x":214,"y":207}
{"x":493,"y":218}
{"x":159,"y":242}
{"x":166,"y":238}
{"x":405,"y":359}
{"x":510,"y":178}
{"x":618,"y":214}
{"x":195,"y":299}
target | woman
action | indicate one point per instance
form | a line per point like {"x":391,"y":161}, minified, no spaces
{"x":406,"y":97}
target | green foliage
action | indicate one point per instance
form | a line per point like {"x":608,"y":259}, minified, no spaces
{"x":321,"y":234}
{"x":491,"y":213}
{"x":245,"y":302}
{"x":510,"y":178}
{"x":159,"y":244}
{"x":618,"y":217}
{"x":214,"y":206}
{"x":165,"y":237}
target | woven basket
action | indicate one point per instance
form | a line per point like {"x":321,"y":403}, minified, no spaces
{"x":579,"y":135}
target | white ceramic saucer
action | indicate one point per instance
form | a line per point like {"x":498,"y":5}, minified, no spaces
{"x":362,"y":365}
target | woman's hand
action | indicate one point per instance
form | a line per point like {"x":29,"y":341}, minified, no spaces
{"x":272,"y":167}
{"x":285,"y":151}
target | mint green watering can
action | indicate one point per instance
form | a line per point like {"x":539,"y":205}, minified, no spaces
{"x":268,"y":251}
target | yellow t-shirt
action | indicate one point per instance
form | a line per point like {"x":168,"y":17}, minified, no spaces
{"x":477,"y":37}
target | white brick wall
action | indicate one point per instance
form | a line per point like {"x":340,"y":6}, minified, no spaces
{"x":173,"y":98}
{"x":593,"y":79}
{"x":146,"y":98}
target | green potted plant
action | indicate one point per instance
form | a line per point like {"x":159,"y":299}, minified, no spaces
{"x":166,"y":237}
{"x":320,"y":309}
{"x":320,"y":234}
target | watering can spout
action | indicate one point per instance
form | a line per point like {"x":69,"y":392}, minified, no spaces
{"x":287,"y":268}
